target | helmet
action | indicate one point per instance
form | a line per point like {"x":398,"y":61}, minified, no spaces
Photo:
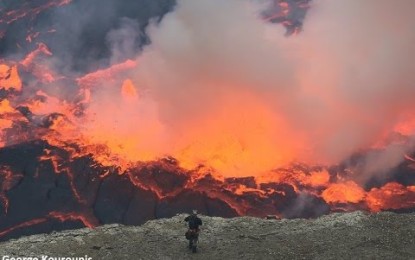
{"x":194,"y":211}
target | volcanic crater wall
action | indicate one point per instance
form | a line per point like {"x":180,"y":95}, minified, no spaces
{"x":44,"y":195}
{"x":55,"y":53}
{"x":39,"y":196}
{"x":39,"y":199}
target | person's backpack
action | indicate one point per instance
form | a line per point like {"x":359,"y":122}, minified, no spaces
{"x":193,"y":222}
{"x":188,"y":235}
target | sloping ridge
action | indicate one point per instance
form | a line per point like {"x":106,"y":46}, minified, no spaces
{"x":355,"y":235}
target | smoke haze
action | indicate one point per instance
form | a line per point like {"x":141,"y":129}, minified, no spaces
{"x":220,"y":86}
{"x":124,"y":111}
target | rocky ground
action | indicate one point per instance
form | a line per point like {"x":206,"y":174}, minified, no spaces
{"x":354,"y":235}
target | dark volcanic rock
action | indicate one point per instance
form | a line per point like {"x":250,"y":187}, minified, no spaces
{"x":40,"y":191}
{"x":188,"y":200}
{"x":119,"y":201}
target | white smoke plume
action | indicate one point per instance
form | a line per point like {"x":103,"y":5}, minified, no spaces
{"x":220,"y":86}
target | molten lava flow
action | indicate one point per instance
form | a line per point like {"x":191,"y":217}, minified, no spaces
{"x":8,"y":180}
{"x":41,"y":49}
{"x":88,"y":222}
{"x":9,"y":78}
{"x":23,"y":225}
{"x":9,"y":17}
{"x":391,"y":196}
{"x":105,"y":75}
{"x":5,"y":107}
{"x":39,"y":70}
{"x":348,"y":192}
{"x":242,"y":137}
{"x":60,"y":216}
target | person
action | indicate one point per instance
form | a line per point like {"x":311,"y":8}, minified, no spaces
{"x":194,"y":223}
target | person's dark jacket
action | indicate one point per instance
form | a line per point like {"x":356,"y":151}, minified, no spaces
{"x":193,"y":221}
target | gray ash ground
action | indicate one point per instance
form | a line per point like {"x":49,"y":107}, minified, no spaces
{"x":355,"y":235}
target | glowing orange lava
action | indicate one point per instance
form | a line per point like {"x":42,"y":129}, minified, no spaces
{"x":348,"y":192}
{"x":9,"y":78}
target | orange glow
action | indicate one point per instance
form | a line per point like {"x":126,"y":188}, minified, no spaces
{"x":8,"y":115}
{"x":297,"y":178}
{"x":22,"y":225}
{"x":41,"y":49}
{"x":406,"y":127}
{"x":128,"y":90}
{"x":39,"y":70}
{"x":242,"y":137}
{"x":9,"y":78}
{"x":285,"y":8}
{"x":5,"y":123}
{"x":241,"y":189}
{"x":391,"y":196}
{"x":316,"y":179}
{"x":105,"y":75}
{"x":347,"y":192}
{"x":17,"y":14}
{"x":7,"y":177}
{"x":5,"y":107}
{"x":88,"y":221}
{"x":48,"y":104}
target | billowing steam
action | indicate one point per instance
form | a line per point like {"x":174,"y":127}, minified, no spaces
{"x":220,"y":86}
